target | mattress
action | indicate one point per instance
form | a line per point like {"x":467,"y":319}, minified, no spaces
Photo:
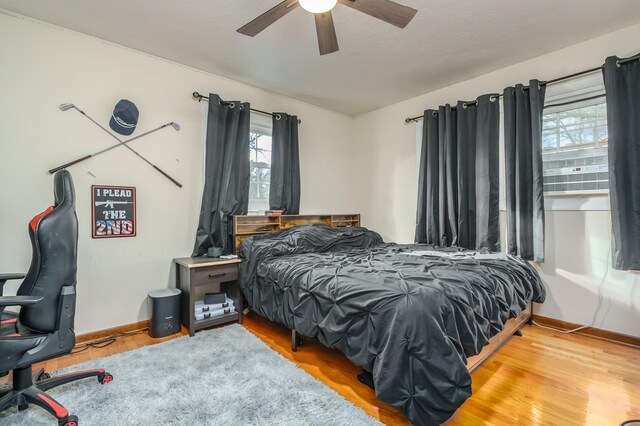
{"x":409,"y":314}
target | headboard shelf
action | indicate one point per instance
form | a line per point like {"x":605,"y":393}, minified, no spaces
{"x":244,"y":226}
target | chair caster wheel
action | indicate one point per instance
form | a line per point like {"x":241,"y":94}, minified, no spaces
{"x":69,"y":421}
{"x":105,"y":378}
{"x":23,"y":407}
{"x":44,"y":376}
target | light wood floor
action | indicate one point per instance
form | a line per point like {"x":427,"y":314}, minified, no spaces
{"x":541,"y":378}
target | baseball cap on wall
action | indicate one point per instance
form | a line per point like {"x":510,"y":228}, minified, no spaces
{"x":124,"y":118}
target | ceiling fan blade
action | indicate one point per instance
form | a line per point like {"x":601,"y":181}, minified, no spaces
{"x":327,"y":39}
{"x":386,"y":10}
{"x":269,"y":17}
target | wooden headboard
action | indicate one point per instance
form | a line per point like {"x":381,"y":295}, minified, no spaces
{"x":246,"y":226}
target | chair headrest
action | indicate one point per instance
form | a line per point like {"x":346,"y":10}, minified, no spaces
{"x":63,"y":189}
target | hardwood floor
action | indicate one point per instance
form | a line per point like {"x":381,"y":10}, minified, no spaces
{"x":541,"y":378}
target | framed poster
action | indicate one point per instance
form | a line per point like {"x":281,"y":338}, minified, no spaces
{"x":113,"y":211}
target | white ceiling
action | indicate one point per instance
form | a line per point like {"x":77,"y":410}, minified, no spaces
{"x":377,"y":65}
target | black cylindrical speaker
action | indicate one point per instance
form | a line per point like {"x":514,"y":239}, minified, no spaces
{"x":165,"y":312}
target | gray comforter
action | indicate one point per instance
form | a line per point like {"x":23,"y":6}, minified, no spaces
{"x":409,"y":314}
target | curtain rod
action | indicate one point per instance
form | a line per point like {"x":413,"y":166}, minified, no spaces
{"x":545,"y":83}
{"x":198,"y":97}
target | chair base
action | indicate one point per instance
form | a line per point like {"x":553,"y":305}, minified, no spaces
{"x":30,"y":388}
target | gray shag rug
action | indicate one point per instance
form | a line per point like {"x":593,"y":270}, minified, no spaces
{"x":225,"y":376}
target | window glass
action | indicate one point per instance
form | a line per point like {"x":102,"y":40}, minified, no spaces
{"x":260,"y":158}
{"x":575,"y":139}
{"x":574,"y":150}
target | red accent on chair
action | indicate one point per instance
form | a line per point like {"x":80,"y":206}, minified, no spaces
{"x":14,"y":335}
{"x":36,"y":220}
{"x":9,"y":321}
{"x":60,"y":411}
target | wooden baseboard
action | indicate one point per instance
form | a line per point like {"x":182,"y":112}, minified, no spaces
{"x":108,"y":332}
{"x":591,"y":331}
{"x":546,"y":321}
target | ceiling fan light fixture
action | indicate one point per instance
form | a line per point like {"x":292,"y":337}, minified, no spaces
{"x":317,"y":6}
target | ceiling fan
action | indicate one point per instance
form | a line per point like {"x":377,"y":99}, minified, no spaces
{"x":385,"y":10}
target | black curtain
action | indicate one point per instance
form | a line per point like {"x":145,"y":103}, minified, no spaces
{"x":227,"y":173}
{"x":622,"y":84}
{"x":284,"y":188}
{"x":523,"y":108}
{"x":458,"y":189}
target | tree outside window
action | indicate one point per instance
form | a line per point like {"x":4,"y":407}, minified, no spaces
{"x":578,"y":128}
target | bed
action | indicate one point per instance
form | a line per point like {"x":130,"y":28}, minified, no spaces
{"x":414,"y":316}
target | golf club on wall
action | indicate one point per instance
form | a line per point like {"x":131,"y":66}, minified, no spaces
{"x":67,"y":106}
{"x":95,"y":154}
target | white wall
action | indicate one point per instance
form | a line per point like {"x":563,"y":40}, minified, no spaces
{"x":43,"y":66}
{"x":577,"y":242}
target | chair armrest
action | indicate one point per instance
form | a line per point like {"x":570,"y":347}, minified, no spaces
{"x":6,"y":277}
{"x":19,"y":300}
{"x":11,"y":276}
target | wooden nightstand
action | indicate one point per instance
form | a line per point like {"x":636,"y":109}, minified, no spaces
{"x":192,"y":273}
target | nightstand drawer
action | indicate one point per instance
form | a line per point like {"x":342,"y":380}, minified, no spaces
{"x":217,"y":274}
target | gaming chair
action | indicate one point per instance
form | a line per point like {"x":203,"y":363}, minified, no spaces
{"x":43,"y":328}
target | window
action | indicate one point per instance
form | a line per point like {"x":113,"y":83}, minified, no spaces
{"x":574,"y":141}
{"x":260,"y":157}
{"x":574,"y":151}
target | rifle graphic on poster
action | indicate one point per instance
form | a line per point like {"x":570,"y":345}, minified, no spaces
{"x":110,"y":204}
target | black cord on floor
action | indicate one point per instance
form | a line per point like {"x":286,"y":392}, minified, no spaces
{"x":628,"y":422}
{"x":103,"y":343}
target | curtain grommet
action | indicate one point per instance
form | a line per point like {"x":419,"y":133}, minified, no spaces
{"x":434,"y":113}
{"x":278,"y":116}
{"x":618,"y":64}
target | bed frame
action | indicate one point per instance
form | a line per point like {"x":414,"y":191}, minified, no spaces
{"x":511,"y":328}
{"x":245,"y":226}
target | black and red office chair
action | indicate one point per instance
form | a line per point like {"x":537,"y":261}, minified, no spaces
{"x":43,"y":328}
